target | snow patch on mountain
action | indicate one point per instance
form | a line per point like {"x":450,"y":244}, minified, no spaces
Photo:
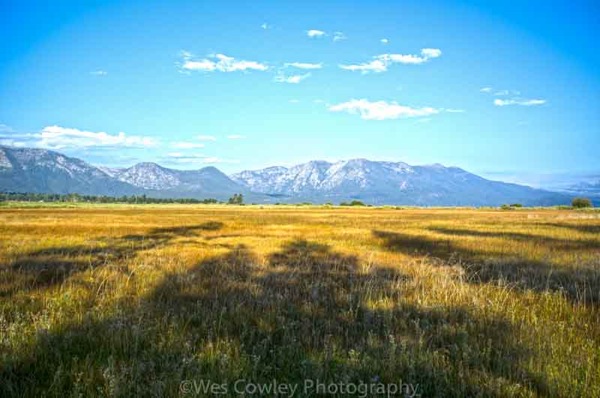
{"x":4,"y":160}
{"x":388,"y":183}
{"x":148,"y":176}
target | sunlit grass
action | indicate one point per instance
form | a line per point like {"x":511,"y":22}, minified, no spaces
{"x":130,"y":300}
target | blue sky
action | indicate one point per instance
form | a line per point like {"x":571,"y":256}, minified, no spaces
{"x":507,"y":90}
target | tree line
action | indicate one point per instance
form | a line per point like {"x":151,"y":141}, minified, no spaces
{"x":75,"y":197}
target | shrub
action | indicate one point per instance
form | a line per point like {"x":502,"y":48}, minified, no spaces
{"x":353,"y":203}
{"x":356,"y":203}
{"x":506,"y":207}
{"x":236,"y":199}
{"x":580,"y":203}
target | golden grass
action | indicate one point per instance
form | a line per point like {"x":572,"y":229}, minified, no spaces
{"x":131,"y":300}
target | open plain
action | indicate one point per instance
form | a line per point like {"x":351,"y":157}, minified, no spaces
{"x":132,"y":300}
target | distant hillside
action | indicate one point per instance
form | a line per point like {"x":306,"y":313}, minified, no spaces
{"x":378,"y":183}
{"x":391,"y":183}
{"x":43,"y":171}
{"x":162,"y":182}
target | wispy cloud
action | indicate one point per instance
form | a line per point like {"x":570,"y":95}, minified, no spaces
{"x":186,"y":145}
{"x":377,"y":65}
{"x":191,"y":159}
{"x":215,"y":160}
{"x":291,"y":79}
{"x":519,"y":101}
{"x":180,"y":155}
{"x":514,"y":100}
{"x":384,"y":41}
{"x":304,"y":65}
{"x":6,"y":129}
{"x":265,"y":26}
{"x":220,"y":63}
{"x":61,"y":137}
{"x":21,"y":140}
{"x":236,"y":137}
{"x":380,"y":63}
{"x":339,"y":36}
{"x":381,"y":110}
{"x":206,"y":138}
{"x":99,"y":72}
{"x":503,"y":93}
{"x":314,"y":33}
{"x":8,"y":136}
{"x":57,"y":137}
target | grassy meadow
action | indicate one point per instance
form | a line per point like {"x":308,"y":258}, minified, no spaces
{"x":131,"y":300}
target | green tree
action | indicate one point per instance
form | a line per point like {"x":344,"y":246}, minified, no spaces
{"x":236,"y":199}
{"x":580,"y":203}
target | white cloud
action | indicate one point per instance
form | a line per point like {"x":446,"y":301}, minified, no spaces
{"x":380,"y":63}
{"x":339,"y":36}
{"x":503,"y":93}
{"x":186,"y":145}
{"x":265,"y":26}
{"x":206,"y":138}
{"x":381,"y":110}
{"x":452,"y":110}
{"x":304,"y":65}
{"x":384,"y":41}
{"x":431,"y":53}
{"x":235,"y":137}
{"x":499,"y":93}
{"x":426,"y":55}
{"x":214,"y":159}
{"x":376,"y":65}
{"x":60,"y":137}
{"x":9,"y":142}
{"x":8,"y":136}
{"x":315,"y":33}
{"x":180,"y":158}
{"x":180,"y":155}
{"x":219,"y":62}
{"x":518,"y":101}
{"x":292,"y":79}
{"x":515,"y":100}
{"x":99,"y":72}
{"x":56,"y":137}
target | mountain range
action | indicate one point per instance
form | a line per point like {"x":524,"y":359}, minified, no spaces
{"x":373,"y":182}
{"x":590,"y":189}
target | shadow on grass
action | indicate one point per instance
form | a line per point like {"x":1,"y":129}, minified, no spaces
{"x":547,"y":241}
{"x":594,"y":229}
{"x":52,"y":266}
{"x":580,"y":286}
{"x":306,"y":313}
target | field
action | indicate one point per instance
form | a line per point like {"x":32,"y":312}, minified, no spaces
{"x":133,"y":300}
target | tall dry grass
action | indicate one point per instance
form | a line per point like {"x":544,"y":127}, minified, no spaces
{"x":126,"y":300}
